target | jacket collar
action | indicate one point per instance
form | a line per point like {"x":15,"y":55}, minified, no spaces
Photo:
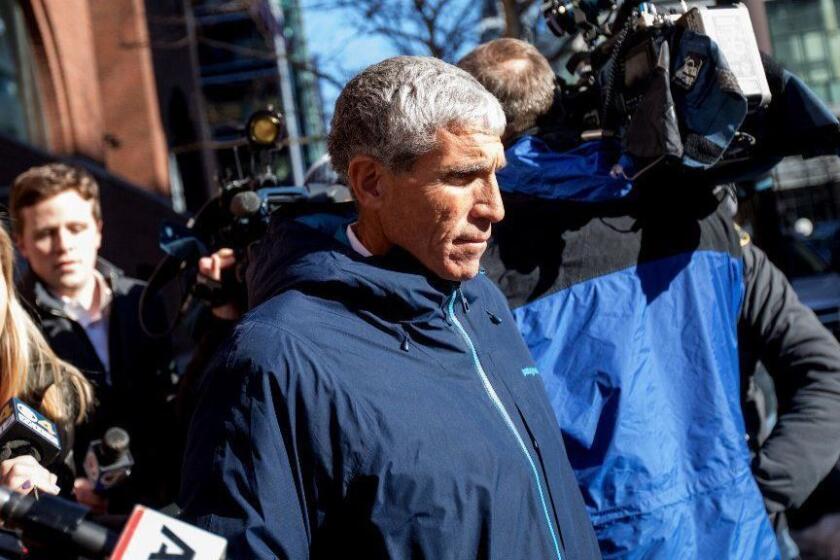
{"x":318,"y":261}
{"x":34,"y":290}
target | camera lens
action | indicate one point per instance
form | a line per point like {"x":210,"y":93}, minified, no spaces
{"x":560,"y":17}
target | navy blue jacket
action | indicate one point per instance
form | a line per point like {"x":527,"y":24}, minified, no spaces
{"x":366,"y":409}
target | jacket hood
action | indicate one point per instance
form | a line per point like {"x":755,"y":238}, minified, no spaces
{"x":580,"y":175}
{"x":311,"y":254}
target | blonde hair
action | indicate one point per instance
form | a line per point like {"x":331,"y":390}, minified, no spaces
{"x":28,"y":367}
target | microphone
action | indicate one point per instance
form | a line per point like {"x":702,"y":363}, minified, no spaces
{"x":245,"y":203}
{"x":25,"y":431}
{"x":151,"y":534}
{"x":55,"y":523}
{"x":108,"y":461}
{"x":55,"y":527}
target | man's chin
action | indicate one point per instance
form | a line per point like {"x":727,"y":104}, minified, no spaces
{"x":454,"y":267}
{"x":69,"y":282}
{"x":461,"y":271}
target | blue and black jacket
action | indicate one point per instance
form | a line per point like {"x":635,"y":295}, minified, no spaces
{"x":647,"y":313}
{"x":366,"y":409}
{"x":629,"y":300}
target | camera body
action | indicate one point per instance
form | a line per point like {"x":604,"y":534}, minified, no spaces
{"x":731,"y":29}
{"x":634,"y":49}
{"x":566,"y":17}
{"x":249,"y":196}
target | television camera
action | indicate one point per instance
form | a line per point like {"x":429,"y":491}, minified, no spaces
{"x":237,"y":216}
{"x":682,"y":90}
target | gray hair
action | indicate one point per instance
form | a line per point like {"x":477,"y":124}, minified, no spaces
{"x":393,"y":109}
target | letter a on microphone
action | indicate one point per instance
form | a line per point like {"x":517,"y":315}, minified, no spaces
{"x":150,"y":535}
{"x":186,"y":553}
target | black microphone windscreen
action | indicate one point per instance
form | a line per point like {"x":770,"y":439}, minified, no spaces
{"x":245,"y":203}
{"x":116,"y":439}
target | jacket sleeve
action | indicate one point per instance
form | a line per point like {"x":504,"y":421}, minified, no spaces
{"x":803,"y":358}
{"x":241,"y":478}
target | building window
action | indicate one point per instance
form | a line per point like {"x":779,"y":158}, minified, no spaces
{"x":21,"y":115}
{"x":806,"y":39}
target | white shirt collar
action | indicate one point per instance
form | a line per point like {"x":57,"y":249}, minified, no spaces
{"x":101,"y":303}
{"x":355,"y":243}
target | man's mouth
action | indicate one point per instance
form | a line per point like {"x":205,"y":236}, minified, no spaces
{"x":471,"y":240}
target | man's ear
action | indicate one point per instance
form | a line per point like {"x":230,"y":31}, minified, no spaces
{"x":99,"y":234}
{"x":367,"y":177}
{"x":17,"y":239}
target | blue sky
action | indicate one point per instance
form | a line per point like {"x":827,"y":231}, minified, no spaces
{"x":338,"y":48}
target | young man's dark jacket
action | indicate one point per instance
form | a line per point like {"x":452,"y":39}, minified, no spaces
{"x":633,"y":300}
{"x":803,"y":358}
{"x":134,"y":394}
{"x":367,"y":409}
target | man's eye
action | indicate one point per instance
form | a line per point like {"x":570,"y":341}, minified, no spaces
{"x":44,"y":234}
{"x":460,"y":178}
{"x":77,"y":228}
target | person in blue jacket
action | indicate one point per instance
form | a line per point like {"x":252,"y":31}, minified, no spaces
{"x":378,"y":401}
{"x":644,"y":307}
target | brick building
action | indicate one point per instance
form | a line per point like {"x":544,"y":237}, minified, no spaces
{"x":150,"y":95}
{"x":77,"y":84}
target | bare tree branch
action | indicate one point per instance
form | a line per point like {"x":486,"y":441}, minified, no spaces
{"x":441,"y":28}
{"x":438,"y":28}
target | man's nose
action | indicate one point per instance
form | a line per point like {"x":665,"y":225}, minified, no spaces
{"x":63,"y":240}
{"x":489,"y":206}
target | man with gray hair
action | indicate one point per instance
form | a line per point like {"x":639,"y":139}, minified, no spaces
{"x":378,"y":402}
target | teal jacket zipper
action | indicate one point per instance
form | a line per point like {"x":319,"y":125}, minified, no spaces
{"x":497,"y":402}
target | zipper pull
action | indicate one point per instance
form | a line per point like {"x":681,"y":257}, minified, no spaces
{"x":405,"y":344}
{"x":495,"y":319}
{"x":464,"y":304}
{"x":449,"y":306}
